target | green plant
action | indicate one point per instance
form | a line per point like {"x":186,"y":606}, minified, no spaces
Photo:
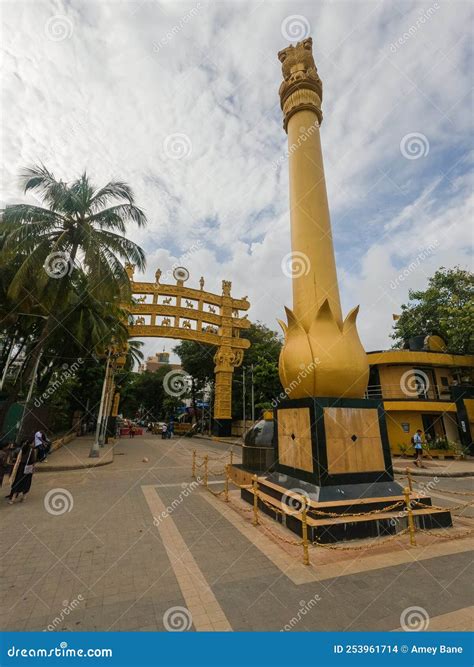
{"x":403,"y":448}
{"x":441,"y":443}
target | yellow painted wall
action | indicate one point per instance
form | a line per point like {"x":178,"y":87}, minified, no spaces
{"x":469,"y":405}
{"x":414,"y":359}
{"x":451,"y":427}
{"x":390,"y":379}
{"x":439,"y":373}
{"x":396,"y":434}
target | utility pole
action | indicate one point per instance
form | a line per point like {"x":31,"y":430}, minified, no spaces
{"x":210,"y":411}
{"x":94,"y":452}
{"x":253,"y":397}
{"x":8,"y":360}
{"x":108,"y":406}
{"x":243,"y":397}
{"x":28,"y":398}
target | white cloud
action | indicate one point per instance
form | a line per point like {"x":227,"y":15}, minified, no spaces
{"x":106,"y":97}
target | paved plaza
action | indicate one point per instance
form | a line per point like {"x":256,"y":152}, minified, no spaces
{"x":135,"y":545}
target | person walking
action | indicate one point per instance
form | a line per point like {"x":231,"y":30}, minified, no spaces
{"x":170,"y":428}
{"x":164,"y":430}
{"x":39,"y":445}
{"x":22,"y":473}
{"x":4,"y":461}
{"x":417,"y":441}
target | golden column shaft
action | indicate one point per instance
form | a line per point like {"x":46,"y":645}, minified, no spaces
{"x":322,"y":354}
{"x":315,"y":277}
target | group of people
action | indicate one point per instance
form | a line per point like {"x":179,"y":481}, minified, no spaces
{"x":167,"y":430}
{"x":18,"y":462}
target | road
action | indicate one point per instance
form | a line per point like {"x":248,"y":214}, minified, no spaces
{"x":136,"y":546}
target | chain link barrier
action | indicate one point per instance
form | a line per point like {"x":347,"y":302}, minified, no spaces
{"x":435,"y":489}
{"x":335,"y":515}
{"x":302,"y":513}
{"x":445,"y":509}
{"x":380,"y":542}
{"x":216,"y":473}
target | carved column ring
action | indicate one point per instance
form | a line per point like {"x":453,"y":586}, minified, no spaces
{"x":298,"y":98}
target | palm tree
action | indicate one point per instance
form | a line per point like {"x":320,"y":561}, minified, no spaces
{"x":79,"y":228}
{"x":134,"y":354}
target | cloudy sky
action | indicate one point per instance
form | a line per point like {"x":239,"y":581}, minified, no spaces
{"x":181,"y":101}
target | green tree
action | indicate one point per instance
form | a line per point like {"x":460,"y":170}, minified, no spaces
{"x":197,"y":361}
{"x":263,"y":355}
{"x":146,"y":391}
{"x":79,"y":230}
{"x":445,"y":308}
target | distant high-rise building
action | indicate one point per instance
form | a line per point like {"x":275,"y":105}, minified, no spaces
{"x":157,"y":361}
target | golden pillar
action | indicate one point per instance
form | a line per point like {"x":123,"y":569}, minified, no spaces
{"x":322,"y":354}
{"x":226,"y":359}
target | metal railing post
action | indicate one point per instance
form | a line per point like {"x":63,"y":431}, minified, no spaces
{"x":411,"y":520}
{"x":255,"y":500}
{"x":304,"y":531}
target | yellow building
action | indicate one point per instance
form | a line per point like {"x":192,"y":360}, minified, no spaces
{"x":427,"y":390}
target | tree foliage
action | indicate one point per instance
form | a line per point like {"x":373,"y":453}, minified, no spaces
{"x":64,"y":290}
{"x":445,"y":308}
{"x":263,"y":354}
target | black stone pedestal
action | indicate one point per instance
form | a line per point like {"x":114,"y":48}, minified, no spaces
{"x":338,"y":446}
{"x":334,"y":455}
{"x":222,"y":428}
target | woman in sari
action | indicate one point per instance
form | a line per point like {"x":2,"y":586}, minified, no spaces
{"x":22,"y":474}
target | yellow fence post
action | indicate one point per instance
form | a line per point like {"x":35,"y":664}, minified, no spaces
{"x":304,"y":531}
{"x":226,"y":486}
{"x":411,"y":521}
{"x":206,"y":459}
{"x":255,"y":500}
{"x":409,"y":479}
{"x":193,"y":472}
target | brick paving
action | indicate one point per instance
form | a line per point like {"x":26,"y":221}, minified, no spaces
{"x":98,"y":549}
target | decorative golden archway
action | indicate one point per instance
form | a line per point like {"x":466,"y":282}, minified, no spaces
{"x":176,"y":311}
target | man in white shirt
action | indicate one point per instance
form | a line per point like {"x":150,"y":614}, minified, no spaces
{"x":41,"y":447}
{"x":418,"y":445}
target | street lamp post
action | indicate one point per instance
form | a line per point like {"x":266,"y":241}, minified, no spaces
{"x":253,"y":397}
{"x":94,"y":452}
{"x":243,"y":398}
